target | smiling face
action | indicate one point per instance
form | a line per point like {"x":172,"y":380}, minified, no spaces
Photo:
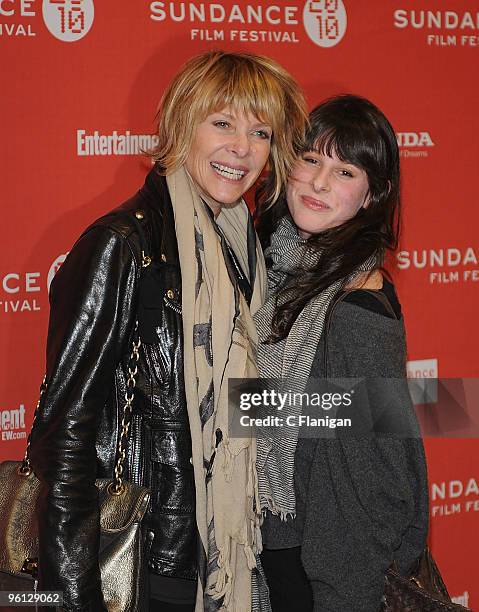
{"x":228,"y":152}
{"x":324,"y":192}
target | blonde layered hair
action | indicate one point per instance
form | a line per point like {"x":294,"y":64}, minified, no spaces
{"x":248,"y":84}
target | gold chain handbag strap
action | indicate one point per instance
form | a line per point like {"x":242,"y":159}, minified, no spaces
{"x":116,"y":487}
{"x":26,"y":468}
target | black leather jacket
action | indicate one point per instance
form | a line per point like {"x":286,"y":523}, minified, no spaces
{"x":94,"y":304}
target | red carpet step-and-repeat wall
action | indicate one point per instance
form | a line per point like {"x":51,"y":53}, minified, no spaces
{"x":80,"y":82}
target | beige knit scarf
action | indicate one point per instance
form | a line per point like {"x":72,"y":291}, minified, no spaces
{"x":220,"y":342}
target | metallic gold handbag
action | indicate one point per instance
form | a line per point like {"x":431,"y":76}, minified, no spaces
{"x":122,"y":507}
{"x":422,"y":591}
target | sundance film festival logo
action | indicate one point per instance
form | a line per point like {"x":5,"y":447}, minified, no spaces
{"x":68,"y":20}
{"x":443,"y":266}
{"x":21,"y":291}
{"x":16,"y":18}
{"x":454,"y":497}
{"x":325,"y":21}
{"x":257,"y":22}
{"x":442,"y":28}
{"x":414,"y":144}
{"x":248,"y":23}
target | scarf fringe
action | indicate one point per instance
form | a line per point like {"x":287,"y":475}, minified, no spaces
{"x":268,"y":503}
{"x":224,"y":581}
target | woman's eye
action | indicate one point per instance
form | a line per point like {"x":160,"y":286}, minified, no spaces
{"x":221,"y":124}
{"x":346,"y":173}
{"x":263,"y":134}
{"x":310,"y":160}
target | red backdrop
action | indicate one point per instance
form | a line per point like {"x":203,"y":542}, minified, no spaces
{"x":75,"y":72}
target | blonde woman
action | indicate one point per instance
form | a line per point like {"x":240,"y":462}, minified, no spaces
{"x":222,"y":119}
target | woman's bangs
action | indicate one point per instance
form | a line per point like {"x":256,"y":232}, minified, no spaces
{"x":349,"y":145}
{"x":245,"y":94}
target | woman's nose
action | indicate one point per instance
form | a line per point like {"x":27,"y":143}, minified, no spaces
{"x":320,"y":180}
{"x":240,"y":144}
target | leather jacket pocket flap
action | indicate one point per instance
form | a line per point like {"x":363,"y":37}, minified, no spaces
{"x":171,"y":447}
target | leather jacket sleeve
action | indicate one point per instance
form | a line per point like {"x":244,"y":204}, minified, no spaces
{"x":91,"y":321}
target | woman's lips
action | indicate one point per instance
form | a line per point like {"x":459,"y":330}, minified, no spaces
{"x":314,"y":204}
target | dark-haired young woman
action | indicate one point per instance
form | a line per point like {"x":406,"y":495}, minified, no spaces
{"x":339,"y":510}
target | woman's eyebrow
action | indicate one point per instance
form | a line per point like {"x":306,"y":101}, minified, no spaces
{"x":262,"y":124}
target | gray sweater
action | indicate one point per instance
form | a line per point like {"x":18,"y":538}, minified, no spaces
{"x":362,"y":502}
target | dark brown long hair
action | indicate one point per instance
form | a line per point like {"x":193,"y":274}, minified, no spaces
{"x":358,"y":133}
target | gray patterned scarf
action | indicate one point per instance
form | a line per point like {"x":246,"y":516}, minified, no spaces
{"x":290,"y":359}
